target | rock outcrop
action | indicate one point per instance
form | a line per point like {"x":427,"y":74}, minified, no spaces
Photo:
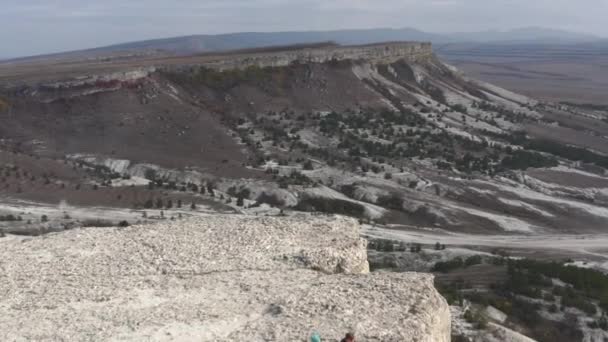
{"x":134,"y":77}
{"x":386,"y":53}
{"x":220,"y":278}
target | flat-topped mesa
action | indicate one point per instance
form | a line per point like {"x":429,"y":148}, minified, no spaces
{"x":75,"y":85}
{"x":375,"y":53}
{"x":86,"y":73}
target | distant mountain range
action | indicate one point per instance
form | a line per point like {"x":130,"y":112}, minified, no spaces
{"x":524,"y":35}
{"x":194,"y":44}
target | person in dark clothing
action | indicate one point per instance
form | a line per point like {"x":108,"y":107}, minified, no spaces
{"x":350,"y":337}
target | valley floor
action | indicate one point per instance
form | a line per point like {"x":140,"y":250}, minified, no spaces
{"x":587,"y":250}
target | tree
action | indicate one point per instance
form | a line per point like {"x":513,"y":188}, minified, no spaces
{"x":388,"y":246}
{"x":44,"y":218}
{"x":239,"y":201}
{"x":270,"y":199}
{"x":416,"y":248}
{"x":437,"y":246}
{"x":150,"y":174}
{"x":308,"y":165}
{"x":169,"y":204}
{"x":193,"y":206}
{"x":179,"y":203}
{"x":392,"y":201}
{"x":473,"y":260}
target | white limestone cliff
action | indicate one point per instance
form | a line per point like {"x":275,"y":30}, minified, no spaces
{"x":216,"y":278}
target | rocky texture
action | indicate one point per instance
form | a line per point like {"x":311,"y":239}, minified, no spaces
{"x":375,"y":53}
{"x":498,"y":333}
{"x":89,"y":85}
{"x":97,"y":77}
{"x":219,"y":278}
{"x":91,"y":80}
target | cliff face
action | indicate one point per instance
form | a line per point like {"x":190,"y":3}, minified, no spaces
{"x":378,"y":53}
{"x":220,"y":278}
{"x":134,"y":77}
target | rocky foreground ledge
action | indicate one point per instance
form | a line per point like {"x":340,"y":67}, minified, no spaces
{"x":219,"y":278}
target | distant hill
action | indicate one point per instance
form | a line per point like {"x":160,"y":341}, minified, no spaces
{"x":206,"y":43}
{"x":187,"y":45}
{"x":525,"y":34}
{"x":523,"y":50}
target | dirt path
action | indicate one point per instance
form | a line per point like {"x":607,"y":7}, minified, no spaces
{"x":588,"y":246}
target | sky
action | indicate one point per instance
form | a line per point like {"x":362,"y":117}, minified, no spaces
{"x":30,"y":27}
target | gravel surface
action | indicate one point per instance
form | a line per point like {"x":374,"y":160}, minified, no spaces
{"x":218,"y":278}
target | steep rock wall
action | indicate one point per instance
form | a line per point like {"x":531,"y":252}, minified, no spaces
{"x":378,"y":53}
{"x":90,"y":84}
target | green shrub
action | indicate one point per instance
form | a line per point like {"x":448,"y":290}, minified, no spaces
{"x":473,"y":260}
{"x":331,"y":205}
{"x":447,"y":266}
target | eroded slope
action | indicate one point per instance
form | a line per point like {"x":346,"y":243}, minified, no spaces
{"x":409,"y":141}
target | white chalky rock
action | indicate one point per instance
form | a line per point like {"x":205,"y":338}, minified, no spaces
{"x":215,"y":278}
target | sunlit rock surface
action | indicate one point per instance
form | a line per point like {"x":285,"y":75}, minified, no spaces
{"x":216,"y":278}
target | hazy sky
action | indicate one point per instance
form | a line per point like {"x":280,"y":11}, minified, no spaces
{"x":42,"y":26}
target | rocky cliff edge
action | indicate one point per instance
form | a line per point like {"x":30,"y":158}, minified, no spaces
{"x":219,"y":278}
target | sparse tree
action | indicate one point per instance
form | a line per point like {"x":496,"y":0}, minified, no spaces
{"x":150,"y":174}
{"x":308,"y":165}
{"x":416,"y":248}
